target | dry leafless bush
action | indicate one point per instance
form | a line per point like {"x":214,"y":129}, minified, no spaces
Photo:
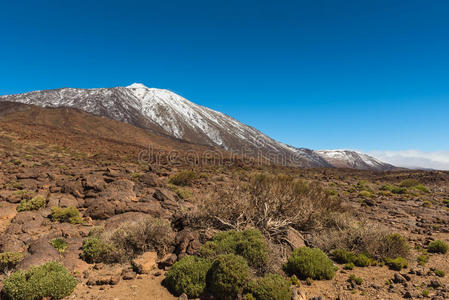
{"x":270,"y":203}
{"x":350,"y":234}
{"x":361,"y":237}
{"x":133,"y":238}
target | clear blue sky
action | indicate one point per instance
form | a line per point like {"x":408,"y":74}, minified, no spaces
{"x":368,"y":75}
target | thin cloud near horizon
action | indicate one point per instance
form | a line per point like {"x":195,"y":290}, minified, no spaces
{"x":438,"y":160}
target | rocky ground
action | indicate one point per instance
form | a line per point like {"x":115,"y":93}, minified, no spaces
{"x":112,"y":190}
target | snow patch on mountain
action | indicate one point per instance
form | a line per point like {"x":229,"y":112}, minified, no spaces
{"x":353,"y":159}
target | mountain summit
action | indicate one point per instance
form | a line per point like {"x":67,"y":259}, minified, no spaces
{"x":164,"y":112}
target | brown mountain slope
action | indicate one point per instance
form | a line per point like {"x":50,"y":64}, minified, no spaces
{"x":91,"y":135}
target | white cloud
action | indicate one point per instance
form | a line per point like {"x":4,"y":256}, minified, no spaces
{"x":438,"y":160}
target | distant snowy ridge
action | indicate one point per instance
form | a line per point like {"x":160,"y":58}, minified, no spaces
{"x":353,"y":159}
{"x":165,"y":112}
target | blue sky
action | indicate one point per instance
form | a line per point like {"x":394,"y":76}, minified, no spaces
{"x":367,"y":75}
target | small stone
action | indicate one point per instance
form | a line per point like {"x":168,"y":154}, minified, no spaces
{"x":145,"y":263}
{"x":434,"y":284}
{"x":167,"y":261}
{"x":397,"y":278}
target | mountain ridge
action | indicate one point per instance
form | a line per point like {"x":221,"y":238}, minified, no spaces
{"x":164,"y":112}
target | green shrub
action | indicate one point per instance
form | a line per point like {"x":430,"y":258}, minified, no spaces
{"x":310,"y":263}
{"x":421,"y":188}
{"x":249,"y":244}
{"x":188,"y":276}
{"x":181,"y":193}
{"x":439,"y":273}
{"x":409,"y":183}
{"x":394,"y":245}
{"x":332,"y":192}
{"x":59,"y":244}
{"x":427,"y":204}
{"x":366,"y":194}
{"x":423,"y":259}
{"x":8,"y":260}
{"x":309,"y":281}
{"x":294,"y":280}
{"x":425,"y":293}
{"x":438,"y":246}
{"x":17,"y":185}
{"x":396,"y":264}
{"x":67,"y":214}
{"x":394,"y":189}
{"x":227,"y":276}
{"x":342,"y":256}
{"x":349,"y":266}
{"x":361,"y":260}
{"x":355,"y":279}
{"x":184,"y":178}
{"x":35,"y":203}
{"x":270,"y":287}
{"x":249,"y":297}
{"x":94,"y":250}
{"x":51,"y":280}
{"x":399,"y":190}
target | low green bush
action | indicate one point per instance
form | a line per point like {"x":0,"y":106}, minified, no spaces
{"x":394,"y":189}
{"x":421,"y":188}
{"x":423,"y":259}
{"x":67,"y":214}
{"x":427,"y":204}
{"x":294,"y":280}
{"x":94,"y":250}
{"x":8,"y":260}
{"x":355,"y":279}
{"x":249,"y":297}
{"x":35,"y":203}
{"x":310,"y":263}
{"x":366,"y":194}
{"x":438,"y":246}
{"x":249,"y":244}
{"x":227,"y":276}
{"x":361,"y":260}
{"x":182,"y":193}
{"x":59,"y":244}
{"x":270,"y":287}
{"x":396,"y":264}
{"x":342,"y":256}
{"x":188,"y":276}
{"x":399,"y":190}
{"x":439,"y":273}
{"x":409,"y":182}
{"x":51,"y":280}
{"x":349,"y":266}
{"x":184,"y":178}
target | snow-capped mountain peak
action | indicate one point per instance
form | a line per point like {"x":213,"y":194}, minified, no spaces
{"x":165,"y":112}
{"x":137,"y":86}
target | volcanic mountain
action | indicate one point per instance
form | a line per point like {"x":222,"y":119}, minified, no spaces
{"x":163,"y":112}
